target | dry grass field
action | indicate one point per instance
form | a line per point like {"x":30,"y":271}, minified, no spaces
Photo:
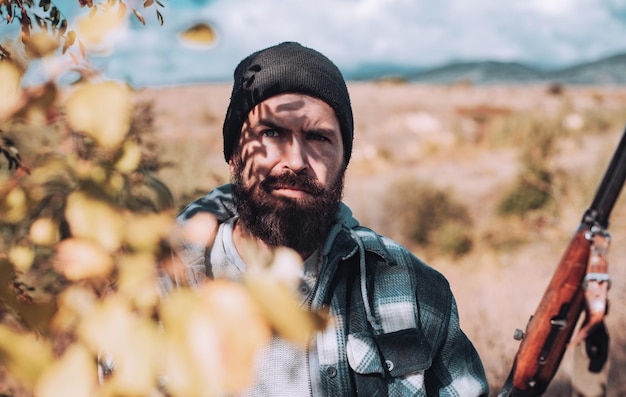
{"x":467,"y":141}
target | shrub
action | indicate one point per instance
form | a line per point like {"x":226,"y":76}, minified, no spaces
{"x":430,"y":217}
{"x":531,"y":192}
{"x":603,"y":119}
{"x":506,"y":235}
{"x":453,"y":238}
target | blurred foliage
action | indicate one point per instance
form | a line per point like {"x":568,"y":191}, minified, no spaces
{"x":564,"y":114}
{"x":199,"y":35}
{"x":556,"y":118}
{"x":86,"y":233}
{"x":538,"y":130}
{"x":508,"y":234}
{"x":603,"y":119}
{"x":533,"y":188}
{"x":531,"y":192}
{"x":44,"y":27}
{"x":430,"y":217}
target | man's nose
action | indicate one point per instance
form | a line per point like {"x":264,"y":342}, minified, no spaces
{"x":296,"y":158}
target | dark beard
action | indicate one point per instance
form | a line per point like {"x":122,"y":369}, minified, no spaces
{"x":302,"y":225}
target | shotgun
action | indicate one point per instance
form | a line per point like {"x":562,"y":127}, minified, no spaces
{"x":579,"y":284}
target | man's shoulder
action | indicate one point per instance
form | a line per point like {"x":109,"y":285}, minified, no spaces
{"x":398,"y":275}
{"x":218,"y":202}
{"x":198,"y":225}
{"x":397,"y":255}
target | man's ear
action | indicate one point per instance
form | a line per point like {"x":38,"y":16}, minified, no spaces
{"x":231,"y":165}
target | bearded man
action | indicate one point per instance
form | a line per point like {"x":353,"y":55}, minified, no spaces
{"x":288,"y":136}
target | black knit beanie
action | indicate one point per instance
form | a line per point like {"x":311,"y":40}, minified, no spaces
{"x":286,"y":68}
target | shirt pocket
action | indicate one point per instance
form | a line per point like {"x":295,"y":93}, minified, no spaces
{"x":398,"y":354}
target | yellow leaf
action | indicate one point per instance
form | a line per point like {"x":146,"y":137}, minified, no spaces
{"x":79,"y":259}
{"x":138,"y":367}
{"x":242,"y":329}
{"x":281,"y":265}
{"x":101,"y":110}
{"x":13,"y":206}
{"x":98,"y":174}
{"x":145,"y":231}
{"x":115,"y":184}
{"x":200,"y":35}
{"x":130,"y":158}
{"x":10,"y":82}
{"x":93,"y":28}
{"x":21,"y":257}
{"x":111,"y":328}
{"x":95,"y":220}
{"x":44,"y":231}
{"x":286,"y":267}
{"x":197,"y":231}
{"x":74,"y":374}
{"x":107,"y":326}
{"x":73,"y":304}
{"x":281,"y":308}
{"x":25,"y":355}
{"x":70,"y":39}
{"x":41,"y":44}
{"x":137,"y":280}
{"x":272,"y":279}
{"x":50,"y":171}
{"x":185,"y":362}
{"x":214,"y":335}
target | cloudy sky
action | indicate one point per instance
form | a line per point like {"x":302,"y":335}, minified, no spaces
{"x":422,"y":33}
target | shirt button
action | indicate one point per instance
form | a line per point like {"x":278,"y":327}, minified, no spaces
{"x":304,"y":289}
{"x":331,"y":372}
{"x":389,"y":364}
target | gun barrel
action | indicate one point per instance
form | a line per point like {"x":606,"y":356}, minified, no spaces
{"x":609,"y":188}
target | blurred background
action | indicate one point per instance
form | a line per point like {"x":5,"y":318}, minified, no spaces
{"x":482,"y":128}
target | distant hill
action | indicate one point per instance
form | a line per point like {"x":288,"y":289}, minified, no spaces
{"x":487,"y":72}
{"x":605,"y":71}
{"x":611,"y":70}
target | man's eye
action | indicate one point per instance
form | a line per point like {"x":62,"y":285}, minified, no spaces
{"x":318,"y":137}
{"x":270,"y":133}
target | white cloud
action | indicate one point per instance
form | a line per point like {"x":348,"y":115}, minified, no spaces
{"x":553,"y":7}
{"x":421,"y":31}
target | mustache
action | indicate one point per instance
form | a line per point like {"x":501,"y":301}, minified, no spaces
{"x":293,"y":181}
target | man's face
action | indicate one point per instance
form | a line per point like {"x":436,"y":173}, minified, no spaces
{"x":288,"y":171}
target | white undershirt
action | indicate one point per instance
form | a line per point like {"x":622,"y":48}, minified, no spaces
{"x":281,"y":367}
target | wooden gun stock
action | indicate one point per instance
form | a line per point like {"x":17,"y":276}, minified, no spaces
{"x":550,"y":329}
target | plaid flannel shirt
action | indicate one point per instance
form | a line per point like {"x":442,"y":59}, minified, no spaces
{"x":396,"y":328}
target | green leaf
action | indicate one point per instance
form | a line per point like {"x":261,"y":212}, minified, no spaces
{"x":45,"y":4}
